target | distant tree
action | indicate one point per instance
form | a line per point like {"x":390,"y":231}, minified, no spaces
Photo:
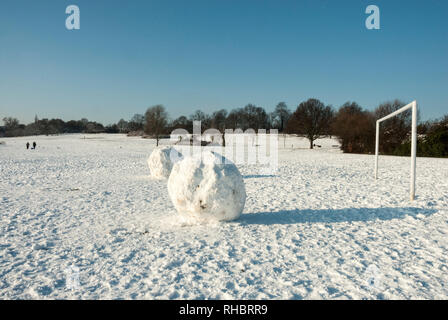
{"x":113,"y":128}
{"x":73,"y":126}
{"x":32,"y":129}
{"x":123,"y":126}
{"x":137,"y":122}
{"x":84,"y":121}
{"x":261,"y":119}
{"x":434,"y":143}
{"x":252,"y":117}
{"x":94,"y":127}
{"x":281,"y":116}
{"x":12,"y":127}
{"x":312,"y":119}
{"x":233,"y":120}
{"x":355,"y":128}
{"x":219,"y":121}
{"x":156,"y":121}
{"x":198,"y":115}
{"x":44,"y":126}
{"x":423,"y":128}
{"x":10,"y":123}
{"x":56,"y":126}
{"x":182,"y":123}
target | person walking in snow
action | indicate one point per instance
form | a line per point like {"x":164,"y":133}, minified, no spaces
{"x":27,"y":145}
{"x":34,"y":145}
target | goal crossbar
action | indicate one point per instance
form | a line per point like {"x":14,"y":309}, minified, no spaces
{"x":413,"y":106}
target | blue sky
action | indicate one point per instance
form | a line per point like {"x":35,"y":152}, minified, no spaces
{"x":208,"y":55}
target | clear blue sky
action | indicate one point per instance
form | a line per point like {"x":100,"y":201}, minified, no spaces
{"x":188,"y":55}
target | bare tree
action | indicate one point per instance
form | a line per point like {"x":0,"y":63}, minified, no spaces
{"x":254,"y":117}
{"x":312,"y":119}
{"x":281,"y":116}
{"x":233,"y":119}
{"x":355,"y":128}
{"x":198,"y":115}
{"x":156,"y":121}
{"x":137,"y":122}
{"x":11,"y":123}
{"x":182,"y":122}
{"x":219,"y":119}
{"x":12,"y":127}
{"x":123,"y":126}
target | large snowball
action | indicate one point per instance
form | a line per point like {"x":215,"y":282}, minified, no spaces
{"x":161,"y":162}
{"x":209,"y":189}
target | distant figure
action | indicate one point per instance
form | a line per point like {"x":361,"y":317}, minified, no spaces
{"x":34,"y":145}
{"x":27,"y":145}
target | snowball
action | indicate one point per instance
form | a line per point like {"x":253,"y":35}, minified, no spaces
{"x":207,"y":189}
{"x":161,"y":162}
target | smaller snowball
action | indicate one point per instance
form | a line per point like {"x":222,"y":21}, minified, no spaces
{"x":161,"y":161}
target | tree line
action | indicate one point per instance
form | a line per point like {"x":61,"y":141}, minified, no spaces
{"x":12,"y":127}
{"x":353,"y":125}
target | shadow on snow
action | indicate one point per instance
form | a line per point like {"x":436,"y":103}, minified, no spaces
{"x":332,"y":215}
{"x":252,"y":176}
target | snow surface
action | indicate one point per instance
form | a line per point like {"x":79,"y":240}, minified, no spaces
{"x":161,"y":161}
{"x":207,"y":187}
{"x":319,"y":228}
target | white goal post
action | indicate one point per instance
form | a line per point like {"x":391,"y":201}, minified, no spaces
{"x":412,"y":105}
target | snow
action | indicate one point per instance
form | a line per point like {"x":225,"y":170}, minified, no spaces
{"x":207,"y":187}
{"x":161,"y":161}
{"x":317,"y":229}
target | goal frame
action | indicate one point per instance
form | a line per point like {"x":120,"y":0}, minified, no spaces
{"x":413,"y":106}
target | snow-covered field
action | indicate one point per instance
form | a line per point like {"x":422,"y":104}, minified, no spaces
{"x":321,"y":228}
